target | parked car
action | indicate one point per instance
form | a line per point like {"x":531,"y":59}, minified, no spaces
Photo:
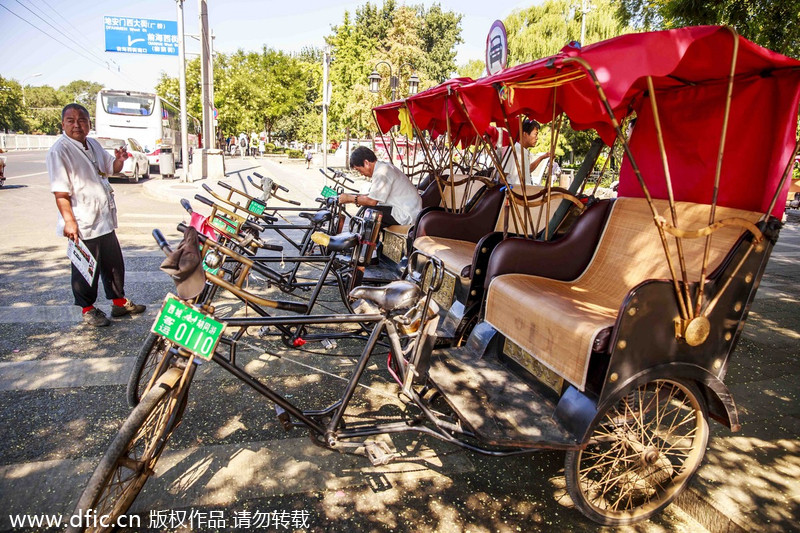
{"x":136,"y":165}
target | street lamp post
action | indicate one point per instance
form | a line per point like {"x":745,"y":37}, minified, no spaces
{"x":22,"y":84}
{"x":375,"y":83}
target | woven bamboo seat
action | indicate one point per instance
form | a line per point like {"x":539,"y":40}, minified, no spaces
{"x":557,"y":321}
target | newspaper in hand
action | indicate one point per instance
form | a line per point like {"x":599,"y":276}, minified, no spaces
{"x":83,"y":259}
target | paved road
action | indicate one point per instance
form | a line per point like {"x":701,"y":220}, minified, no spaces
{"x":62,"y":400}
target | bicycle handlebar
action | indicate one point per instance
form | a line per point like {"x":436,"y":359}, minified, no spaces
{"x":340,"y":174}
{"x":274,"y":185}
{"x":162,"y":242}
{"x":186,"y":205}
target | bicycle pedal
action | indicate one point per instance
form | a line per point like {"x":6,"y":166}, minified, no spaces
{"x":378,"y":453}
{"x":284,"y":418}
{"x":329,"y":344}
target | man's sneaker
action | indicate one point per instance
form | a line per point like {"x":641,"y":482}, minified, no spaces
{"x":95,"y":317}
{"x":129,"y":308}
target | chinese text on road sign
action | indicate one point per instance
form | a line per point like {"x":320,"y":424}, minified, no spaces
{"x":141,"y":36}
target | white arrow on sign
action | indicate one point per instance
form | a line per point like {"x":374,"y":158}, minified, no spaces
{"x":130,"y":42}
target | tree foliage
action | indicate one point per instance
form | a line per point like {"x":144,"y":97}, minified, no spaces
{"x":772,"y":24}
{"x":542,"y":30}
{"x":412,"y":39}
{"x":12,"y":113}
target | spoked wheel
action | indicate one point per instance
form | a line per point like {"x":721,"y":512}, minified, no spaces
{"x":145,"y":366}
{"x":642,"y":452}
{"x":132,"y":456}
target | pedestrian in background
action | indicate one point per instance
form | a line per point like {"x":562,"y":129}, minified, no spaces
{"x":79,"y":168}
{"x":309,"y":156}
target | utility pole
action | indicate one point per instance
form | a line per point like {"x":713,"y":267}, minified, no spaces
{"x":208,"y":112}
{"x":326,"y":101}
{"x":182,"y":82}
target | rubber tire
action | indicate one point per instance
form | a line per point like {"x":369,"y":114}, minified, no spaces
{"x":135,"y":177}
{"x":637,"y":514}
{"x":145,"y":364}
{"x":146,"y":174}
{"x":102,"y":475}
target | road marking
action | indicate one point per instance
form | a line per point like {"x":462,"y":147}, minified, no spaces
{"x":25,"y":175}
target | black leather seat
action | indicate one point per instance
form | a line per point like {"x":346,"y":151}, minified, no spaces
{"x":396,"y":295}
{"x":342,"y":241}
{"x":318,"y":218}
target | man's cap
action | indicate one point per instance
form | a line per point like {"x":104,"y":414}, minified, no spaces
{"x":186,"y":267}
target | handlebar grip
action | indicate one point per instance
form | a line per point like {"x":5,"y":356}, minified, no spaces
{"x":186,"y":205}
{"x":207,"y":188}
{"x":253,"y":183}
{"x":284,"y":189}
{"x":340,"y":175}
{"x":257,"y":175}
{"x":292,"y":202}
{"x":224,"y":185}
{"x":204,"y":200}
{"x":273,"y":247}
{"x":161,"y":241}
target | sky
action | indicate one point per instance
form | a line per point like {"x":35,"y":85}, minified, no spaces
{"x":71,"y":43}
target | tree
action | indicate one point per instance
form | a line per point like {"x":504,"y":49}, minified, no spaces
{"x":12,"y":113}
{"x":44,"y":109}
{"x":440,"y":32}
{"x":766,"y":22}
{"x":542,"y":30}
{"x":475,"y":68}
{"x":82,"y":92}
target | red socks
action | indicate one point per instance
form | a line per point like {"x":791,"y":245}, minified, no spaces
{"x":87,"y":309}
{"x":119,"y":302}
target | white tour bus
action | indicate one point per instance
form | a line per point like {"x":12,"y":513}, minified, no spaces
{"x":152,"y":121}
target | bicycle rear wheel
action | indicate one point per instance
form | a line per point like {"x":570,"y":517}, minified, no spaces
{"x":132,"y":456}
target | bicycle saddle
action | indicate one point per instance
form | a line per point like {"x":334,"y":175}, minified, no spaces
{"x":335,"y":243}
{"x":396,"y":295}
{"x":318,"y":218}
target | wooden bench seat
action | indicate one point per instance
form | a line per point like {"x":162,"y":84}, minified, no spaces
{"x":557,"y":321}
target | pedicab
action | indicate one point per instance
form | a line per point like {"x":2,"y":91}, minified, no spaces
{"x":611,"y":343}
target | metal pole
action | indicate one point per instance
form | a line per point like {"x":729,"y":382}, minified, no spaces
{"x":326,"y":100}
{"x":208,"y":113}
{"x":182,"y":82}
{"x":213,"y":143}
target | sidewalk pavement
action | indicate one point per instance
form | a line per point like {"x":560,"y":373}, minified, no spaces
{"x":749,"y":480}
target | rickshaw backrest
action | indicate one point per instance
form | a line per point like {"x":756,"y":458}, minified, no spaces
{"x":558,"y":321}
{"x":537,"y":215}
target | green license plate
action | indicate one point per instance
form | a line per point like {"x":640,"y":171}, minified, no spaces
{"x":224,"y":224}
{"x":186,"y":327}
{"x":327,"y":192}
{"x":256,"y":207}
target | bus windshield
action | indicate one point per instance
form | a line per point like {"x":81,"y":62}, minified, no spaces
{"x":127,"y":104}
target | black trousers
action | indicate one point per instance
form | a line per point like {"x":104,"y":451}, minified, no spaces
{"x":387,"y":219}
{"x":111,"y":266}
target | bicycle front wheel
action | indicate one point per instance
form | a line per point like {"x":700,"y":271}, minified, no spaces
{"x":146,"y":364}
{"x":132,"y":456}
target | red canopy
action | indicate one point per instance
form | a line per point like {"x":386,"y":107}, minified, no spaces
{"x":430,"y":110}
{"x":689,"y":68}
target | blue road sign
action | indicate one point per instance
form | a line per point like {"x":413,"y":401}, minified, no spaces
{"x":141,"y":36}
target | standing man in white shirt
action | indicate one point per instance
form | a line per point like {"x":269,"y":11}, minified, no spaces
{"x":399,"y":200}
{"x":78,"y":169}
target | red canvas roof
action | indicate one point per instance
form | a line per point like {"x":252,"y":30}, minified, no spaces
{"x":430,"y":109}
{"x":690,"y":68}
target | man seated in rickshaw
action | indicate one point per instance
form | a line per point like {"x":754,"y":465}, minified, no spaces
{"x":390,"y":190}
{"x":528,"y":138}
